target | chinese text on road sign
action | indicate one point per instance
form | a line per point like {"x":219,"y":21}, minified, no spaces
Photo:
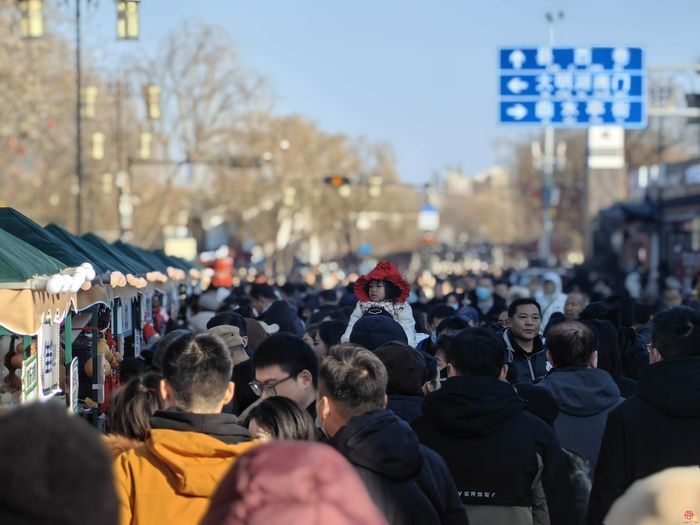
{"x":570,"y":87}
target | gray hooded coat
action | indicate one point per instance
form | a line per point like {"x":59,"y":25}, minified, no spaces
{"x":584,"y":396}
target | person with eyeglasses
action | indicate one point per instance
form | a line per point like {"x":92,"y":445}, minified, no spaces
{"x":286,"y":366}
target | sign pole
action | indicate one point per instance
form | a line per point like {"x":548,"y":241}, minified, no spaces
{"x":545,"y":244}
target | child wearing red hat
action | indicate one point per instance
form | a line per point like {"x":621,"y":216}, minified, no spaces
{"x":384,"y":289}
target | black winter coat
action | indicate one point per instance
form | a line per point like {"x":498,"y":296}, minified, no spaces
{"x":526,"y":368}
{"x":409,"y":482}
{"x":480,"y":427}
{"x":656,"y":429}
{"x":407,"y":408}
{"x":283,"y":315}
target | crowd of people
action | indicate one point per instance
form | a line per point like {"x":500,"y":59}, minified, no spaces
{"x":490,"y":404}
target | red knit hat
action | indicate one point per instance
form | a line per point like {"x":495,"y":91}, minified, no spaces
{"x":384,"y":271}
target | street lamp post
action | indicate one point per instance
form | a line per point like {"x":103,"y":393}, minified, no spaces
{"x":545,"y":243}
{"x":32,"y":26}
{"x":78,"y":122}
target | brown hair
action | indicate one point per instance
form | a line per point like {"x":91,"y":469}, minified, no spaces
{"x":282,"y":418}
{"x":133,"y":405}
{"x":571,"y":343}
{"x":354,"y":378}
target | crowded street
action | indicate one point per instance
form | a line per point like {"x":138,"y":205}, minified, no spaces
{"x":311,"y":263}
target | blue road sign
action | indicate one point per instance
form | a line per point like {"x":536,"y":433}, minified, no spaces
{"x":572,"y":87}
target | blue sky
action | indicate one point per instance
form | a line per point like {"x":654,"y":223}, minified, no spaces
{"x":421,"y":75}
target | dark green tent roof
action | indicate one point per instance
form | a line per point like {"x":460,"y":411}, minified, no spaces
{"x":118,"y":261}
{"x":136,"y":264}
{"x":30,"y":232}
{"x":19,"y":261}
{"x":175,"y":262}
{"x":100,"y":264}
{"x":143,"y":256}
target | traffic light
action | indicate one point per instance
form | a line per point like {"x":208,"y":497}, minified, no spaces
{"x":337,"y":181}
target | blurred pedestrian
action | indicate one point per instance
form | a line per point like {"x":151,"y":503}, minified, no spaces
{"x":658,"y":427}
{"x":408,"y":482}
{"x":280,"y":418}
{"x":485,"y":301}
{"x":526,"y":352}
{"x":329,"y":335}
{"x":609,"y":356}
{"x":191,"y":446}
{"x":55,"y":468}
{"x":371,"y":331}
{"x":406,"y":376}
{"x":574,"y":305}
{"x":272,"y":310}
{"x":286,"y":482}
{"x":286,"y":366}
{"x":671,"y":297}
{"x":552,"y":299}
{"x":584,"y":394}
{"x":129,"y":418}
{"x":670,"y":496}
{"x":507,"y":464}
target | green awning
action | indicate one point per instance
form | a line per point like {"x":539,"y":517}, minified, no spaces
{"x":20,"y":261}
{"x":119,"y":260}
{"x":175,"y":262}
{"x":30,"y":232}
{"x":145,"y":257}
{"x":100,"y":264}
{"x":140,"y":267}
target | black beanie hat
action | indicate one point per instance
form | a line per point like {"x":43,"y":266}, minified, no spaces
{"x":372,"y":331}
{"x":56,"y":467}
{"x":405,"y":368}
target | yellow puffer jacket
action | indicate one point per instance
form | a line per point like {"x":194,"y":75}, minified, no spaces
{"x":172,"y":477}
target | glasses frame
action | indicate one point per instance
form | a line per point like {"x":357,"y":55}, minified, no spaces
{"x":270,"y":388}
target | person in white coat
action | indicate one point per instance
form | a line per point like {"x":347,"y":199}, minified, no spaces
{"x":552,"y":300}
{"x":384,"y":288}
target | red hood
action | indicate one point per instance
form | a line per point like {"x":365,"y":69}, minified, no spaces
{"x":384,"y":271}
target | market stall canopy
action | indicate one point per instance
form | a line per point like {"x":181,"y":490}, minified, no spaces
{"x":147,"y":258}
{"x":22,"y":307}
{"x":118,"y":261}
{"x":139,"y":267}
{"x":27,"y":230}
{"x":20,"y":262}
{"x":101,"y":265}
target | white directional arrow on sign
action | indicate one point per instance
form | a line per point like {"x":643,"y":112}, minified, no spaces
{"x":517,"y":85}
{"x":517,"y":58}
{"x":518,"y":112}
